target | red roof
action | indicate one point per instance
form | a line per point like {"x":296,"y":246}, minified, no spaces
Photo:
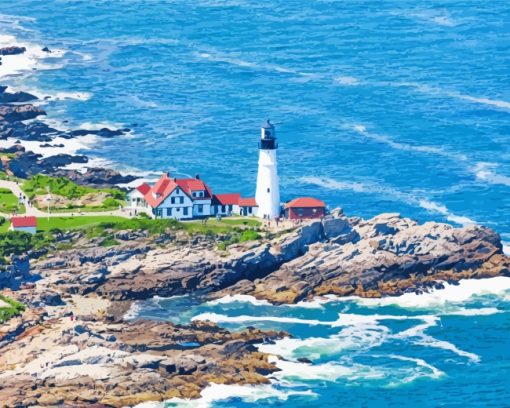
{"x":194,"y":184}
{"x":156,"y":194}
{"x":144,"y":188}
{"x":226,"y":199}
{"x":248,"y":202}
{"x":305,"y":202}
{"x":19,"y":222}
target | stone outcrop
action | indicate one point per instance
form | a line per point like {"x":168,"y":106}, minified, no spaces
{"x":387,"y":255}
{"x":66,"y":363}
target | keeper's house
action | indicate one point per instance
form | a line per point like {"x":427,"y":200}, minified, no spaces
{"x":305,"y":208}
{"x":185,"y":199}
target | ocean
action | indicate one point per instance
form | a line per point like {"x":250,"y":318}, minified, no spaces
{"x":380,"y":106}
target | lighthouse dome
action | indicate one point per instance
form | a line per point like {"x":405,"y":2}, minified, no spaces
{"x":267,"y":125}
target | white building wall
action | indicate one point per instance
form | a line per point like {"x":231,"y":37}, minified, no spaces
{"x":206,"y":208}
{"x":135,"y":200}
{"x":268,"y":190}
{"x":180,"y":209}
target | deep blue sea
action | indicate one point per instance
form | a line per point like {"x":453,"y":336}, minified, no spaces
{"x":400,"y":106}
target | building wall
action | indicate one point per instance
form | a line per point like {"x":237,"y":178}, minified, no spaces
{"x":180,"y":209}
{"x":135,"y":200}
{"x":268,"y":189}
{"x":30,"y":230}
{"x":304,"y":213}
{"x":206,"y":208}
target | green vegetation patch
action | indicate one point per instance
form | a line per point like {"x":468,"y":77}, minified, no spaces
{"x":39,"y":185}
{"x":15,"y":308}
{"x":9,"y":202}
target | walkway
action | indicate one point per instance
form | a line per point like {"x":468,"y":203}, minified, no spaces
{"x":33,"y":211}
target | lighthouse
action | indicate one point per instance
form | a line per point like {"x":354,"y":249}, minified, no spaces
{"x":268,"y":186}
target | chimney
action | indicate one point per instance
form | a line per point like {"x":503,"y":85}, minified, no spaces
{"x":175,"y":180}
{"x":197,"y":176}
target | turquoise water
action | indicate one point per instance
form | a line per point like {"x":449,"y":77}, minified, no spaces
{"x":447,"y":349}
{"x":399,"y":106}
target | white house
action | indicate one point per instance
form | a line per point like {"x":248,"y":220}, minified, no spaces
{"x":24,"y":224}
{"x":135,"y":197}
{"x":185,"y":199}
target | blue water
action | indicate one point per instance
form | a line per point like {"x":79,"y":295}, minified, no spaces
{"x":431,"y":351}
{"x":399,"y":106}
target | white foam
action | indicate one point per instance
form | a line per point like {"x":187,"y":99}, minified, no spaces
{"x":465,"y":290}
{"x":32,"y":58}
{"x":215,"y":393}
{"x":347,"y":80}
{"x":361,"y":129}
{"x":484,"y":172}
{"x":70,"y":146}
{"x":219,"y":318}
{"x":238,"y":298}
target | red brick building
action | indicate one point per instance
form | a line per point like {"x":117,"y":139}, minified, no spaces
{"x":304,"y":208}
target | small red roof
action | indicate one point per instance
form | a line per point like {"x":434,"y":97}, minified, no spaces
{"x":144,"y":188}
{"x":194,"y":184}
{"x":305,"y":202}
{"x":247,"y":202}
{"x":19,"y":222}
{"x":226,"y":199}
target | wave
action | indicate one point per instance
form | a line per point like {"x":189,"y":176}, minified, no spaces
{"x":215,"y":393}
{"x":238,"y":299}
{"x":219,"y":318}
{"x":391,"y":194}
{"x":32,"y":58}
{"x":361,"y":129}
{"x":440,"y":18}
{"x":484,"y":172}
{"x":464,"y":291}
{"x":437,"y":91}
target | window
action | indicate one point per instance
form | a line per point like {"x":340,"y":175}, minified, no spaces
{"x":200,"y":208}
{"x":185,"y":210}
{"x":300,"y":212}
{"x":223,"y":208}
{"x":250,"y":210}
{"x":268,"y":190}
{"x":168,"y":212}
{"x":172,"y":200}
{"x":229,"y":208}
{"x":182,"y":200}
{"x":177,"y":191}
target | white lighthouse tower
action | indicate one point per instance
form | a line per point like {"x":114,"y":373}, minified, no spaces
{"x":268,"y":186}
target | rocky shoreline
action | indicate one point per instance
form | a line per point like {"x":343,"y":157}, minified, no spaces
{"x":19,"y":122}
{"x":100,"y":358}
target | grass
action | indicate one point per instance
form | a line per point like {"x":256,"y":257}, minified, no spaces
{"x":15,"y":308}
{"x":79,"y":222}
{"x":9,"y":202}
{"x":62,"y":186}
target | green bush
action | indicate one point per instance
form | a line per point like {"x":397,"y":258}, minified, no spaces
{"x":249,"y":235}
{"x":2,"y":220}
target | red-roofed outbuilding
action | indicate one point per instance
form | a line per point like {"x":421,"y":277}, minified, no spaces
{"x":305,"y":208}
{"x":24,"y":223}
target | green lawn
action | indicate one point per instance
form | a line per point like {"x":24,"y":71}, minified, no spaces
{"x":9,"y":202}
{"x":65,"y":223}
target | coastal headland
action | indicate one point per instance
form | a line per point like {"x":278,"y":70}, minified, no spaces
{"x":67,"y":339}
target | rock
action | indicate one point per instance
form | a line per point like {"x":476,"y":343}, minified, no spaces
{"x":13,"y":50}
{"x":16,"y":97}
{"x":46,"y":49}
{"x":15,"y":113}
